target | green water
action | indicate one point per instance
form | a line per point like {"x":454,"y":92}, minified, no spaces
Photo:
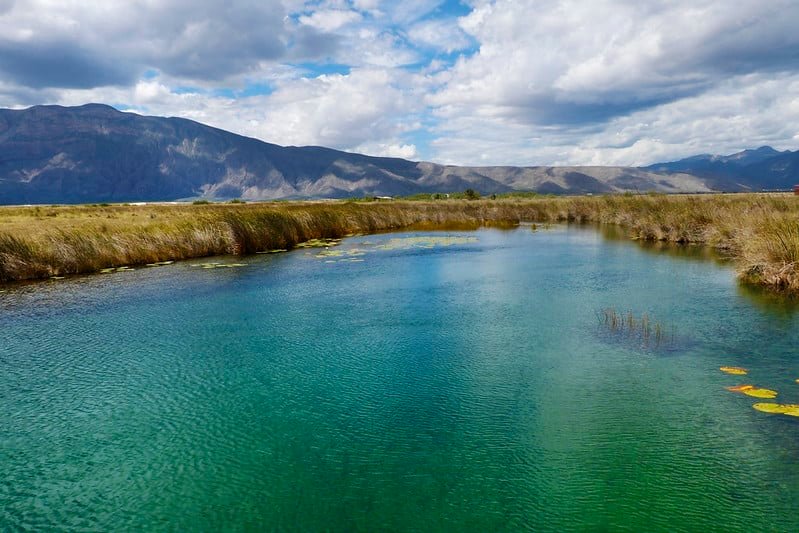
{"x":452,"y":388}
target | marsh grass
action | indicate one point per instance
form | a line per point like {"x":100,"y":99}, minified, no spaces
{"x":759,"y":231}
{"x":646,"y":330}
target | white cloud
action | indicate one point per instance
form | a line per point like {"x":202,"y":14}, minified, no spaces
{"x":744,"y":112}
{"x":330,"y":19}
{"x":341,"y":111}
{"x":389,"y":149}
{"x":562,"y":62}
{"x":441,"y":34}
{"x":552,"y":81}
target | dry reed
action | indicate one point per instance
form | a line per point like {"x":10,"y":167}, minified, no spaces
{"x":759,"y":231}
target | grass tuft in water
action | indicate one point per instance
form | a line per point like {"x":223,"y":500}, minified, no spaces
{"x":644,"y":329}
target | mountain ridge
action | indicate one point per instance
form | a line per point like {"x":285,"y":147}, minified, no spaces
{"x":94,"y":152}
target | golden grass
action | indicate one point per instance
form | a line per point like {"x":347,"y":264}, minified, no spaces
{"x":759,"y":231}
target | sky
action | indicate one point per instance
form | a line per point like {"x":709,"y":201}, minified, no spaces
{"x":470,"y":82}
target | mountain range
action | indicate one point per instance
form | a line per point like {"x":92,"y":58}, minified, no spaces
{"x":95,"y":153}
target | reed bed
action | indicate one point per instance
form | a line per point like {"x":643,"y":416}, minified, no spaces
{"x":644,"y":329}
{"x":759,"y":231}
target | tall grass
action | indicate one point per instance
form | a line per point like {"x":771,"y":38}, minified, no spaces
{"x":759,"y":231}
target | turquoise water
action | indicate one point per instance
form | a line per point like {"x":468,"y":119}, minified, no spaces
{"x":466,"y":386}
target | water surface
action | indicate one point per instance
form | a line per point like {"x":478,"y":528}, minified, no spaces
{"x":460,"y":387}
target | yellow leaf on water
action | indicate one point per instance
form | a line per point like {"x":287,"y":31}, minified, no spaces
{"x":739,"y":388}
{"x":774,"y":408}
{"x":792,"y":411}
{"x":761,"y":393}
{"x":734,"y":370}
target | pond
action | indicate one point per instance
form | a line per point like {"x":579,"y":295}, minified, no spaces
{"x":409,"y":382}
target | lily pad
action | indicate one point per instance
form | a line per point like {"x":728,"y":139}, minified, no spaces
{"x":404,"y":243}
{"x":319,"y":243}
{"x":761,"y":393}
{"x":773,"y":408}
{"x":734,"y":370}
{"x":778,"y":408}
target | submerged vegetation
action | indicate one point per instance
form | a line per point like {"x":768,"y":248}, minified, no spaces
{"x":758,"y":231}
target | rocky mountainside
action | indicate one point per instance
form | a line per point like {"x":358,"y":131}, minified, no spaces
{"x":94,"y":153}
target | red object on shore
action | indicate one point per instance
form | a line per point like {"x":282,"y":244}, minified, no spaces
{"x":796,"y":190}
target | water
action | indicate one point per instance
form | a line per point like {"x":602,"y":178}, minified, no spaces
{"x":460,"y":387}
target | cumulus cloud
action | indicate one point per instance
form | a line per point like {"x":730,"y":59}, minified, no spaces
{"x":742,"y":112}
{"x":553,"y":61}
{"x":511,"y":82}
{"x":42,"y":64}
{"x":393,"y":148}
{"x":330,"y":19}
{"x":86,"y":44}
{"x":340,"y":111}
{"x":442,"y":34}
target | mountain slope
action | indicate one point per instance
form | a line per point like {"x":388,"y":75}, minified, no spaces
{"x":93,"y":153}
{"x":762,"y":168}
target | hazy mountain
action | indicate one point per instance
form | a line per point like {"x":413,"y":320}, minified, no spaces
{"x":763,"y":168}
{"x":95,"y":153}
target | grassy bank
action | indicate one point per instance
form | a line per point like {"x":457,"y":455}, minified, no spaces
{"x":760,"y":232}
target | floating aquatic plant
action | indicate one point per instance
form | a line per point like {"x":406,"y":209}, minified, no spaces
{"x":355,"y":252}
{"x":425,"y":242}
{"x":755,"y":392}
{"x":761,"y":393}
{"x":319,"y":243}
{"x":777,"y":408}
{"x":209,"y":266}
{"x":734,"y":370}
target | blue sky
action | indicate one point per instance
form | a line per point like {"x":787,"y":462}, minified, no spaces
{"x":524,"y":82}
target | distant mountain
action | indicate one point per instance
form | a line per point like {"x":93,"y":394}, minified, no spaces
{"x":763,"y":168}
{"x":95,"y":153}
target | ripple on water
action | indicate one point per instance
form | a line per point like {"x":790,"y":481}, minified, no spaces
{"x":461,"y":388}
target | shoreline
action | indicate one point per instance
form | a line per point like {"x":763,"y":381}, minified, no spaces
{"x":758,"y":232}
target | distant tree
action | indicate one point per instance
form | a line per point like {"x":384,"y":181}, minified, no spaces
{"x":471,"y":194}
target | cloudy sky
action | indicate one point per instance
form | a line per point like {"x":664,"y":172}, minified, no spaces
{"x":519,"y":82}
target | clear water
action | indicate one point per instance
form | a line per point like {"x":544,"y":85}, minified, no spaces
{"x":463,"y":387}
